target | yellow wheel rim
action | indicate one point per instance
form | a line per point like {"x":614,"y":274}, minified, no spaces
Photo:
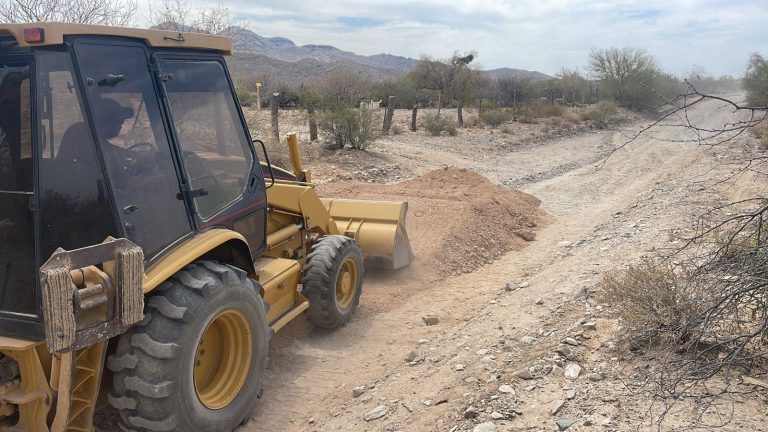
{"x":223,"y":359}
{"x":346,"y":283}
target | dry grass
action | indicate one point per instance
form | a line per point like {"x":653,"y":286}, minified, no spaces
{"x":472,"y":121}
{"x":653,"y":301}
{"x":761,"y":133}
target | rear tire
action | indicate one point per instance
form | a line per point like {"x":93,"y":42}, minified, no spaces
{"x":196,"y":362}
{"x":332,"y":280}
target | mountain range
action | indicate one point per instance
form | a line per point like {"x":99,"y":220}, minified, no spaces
{"x":279,"y":60}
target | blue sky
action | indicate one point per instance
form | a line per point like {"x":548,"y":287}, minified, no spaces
{"x":543,"y":35}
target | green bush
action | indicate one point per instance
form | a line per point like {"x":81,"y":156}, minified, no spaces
{"x":244,"y":94}
{"x":494,"y":118}
{"x":348,"y":126}
{"x":437,"y":124}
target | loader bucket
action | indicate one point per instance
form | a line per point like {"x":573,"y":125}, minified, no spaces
{"x":377,"y":226}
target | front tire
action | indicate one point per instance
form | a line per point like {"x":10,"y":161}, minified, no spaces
{"x":332,"y":280}
{"x":197,"y":360}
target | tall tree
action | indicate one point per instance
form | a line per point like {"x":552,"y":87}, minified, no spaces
{"x":453,"y":78}
{"x":100,"y":12}
{"x":623,"y":72}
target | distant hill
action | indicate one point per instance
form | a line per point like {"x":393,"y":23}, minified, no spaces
{"x":278,"y":60}
{"x":509,"y":72}
{"x":246,"y":41}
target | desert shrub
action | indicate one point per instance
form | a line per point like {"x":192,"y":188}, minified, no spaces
{"x":760,"y":132}
{"x":244,"y":94}
{"x":539,"y":109}
{"x":494,"y":118}
{"x":654,"y":301}
{"x":396,"y":130}
{"x":471,"y":121}
{"x":436,"y":124}
{"x":507,"y":129}
{"x":348,"y":126}
{"x":603,"y":114}
{"x":450,"y":128}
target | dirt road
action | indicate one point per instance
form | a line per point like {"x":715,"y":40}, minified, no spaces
{"x":644,"y":198}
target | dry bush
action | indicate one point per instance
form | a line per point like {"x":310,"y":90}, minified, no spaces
{"x":761,"y":133}
{"x":540,"y":109}
{"x":604,"y":114}
{"x":437,"y":124}
{"x":494,"y":118}
{"x":396,"y":130}
{"x":653,"y":301}
{"x":348,"y":126}
{"x":507,"y":129}
{"x":472,"y":121}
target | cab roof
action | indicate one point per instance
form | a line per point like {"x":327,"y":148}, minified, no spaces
{"x":54,"y":33}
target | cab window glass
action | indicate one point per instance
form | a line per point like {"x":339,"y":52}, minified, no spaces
{"x":76,"y":210}
{"x":132,"y":136}
{"x":17,"y":244}
{"x":215,"y":148}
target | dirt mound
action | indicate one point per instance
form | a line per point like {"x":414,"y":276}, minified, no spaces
{"x":457,"y":219}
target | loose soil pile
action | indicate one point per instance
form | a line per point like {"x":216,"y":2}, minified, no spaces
{"x":457,"y":219}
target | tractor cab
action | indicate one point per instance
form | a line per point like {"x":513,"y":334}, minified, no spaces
{"x":114,"y":136}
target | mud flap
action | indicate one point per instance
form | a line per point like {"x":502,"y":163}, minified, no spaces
{"x":91,"y":294}
{"x":377,"y":226}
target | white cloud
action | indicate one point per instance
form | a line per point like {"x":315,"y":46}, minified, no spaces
{"x":543,"y":35}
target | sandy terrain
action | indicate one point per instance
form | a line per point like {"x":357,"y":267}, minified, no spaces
{"x":510,"y":311}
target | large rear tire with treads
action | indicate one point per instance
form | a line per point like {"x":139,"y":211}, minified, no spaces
{"x":196,"y":362}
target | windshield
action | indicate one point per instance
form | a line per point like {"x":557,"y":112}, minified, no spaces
{"x":17,"y":263}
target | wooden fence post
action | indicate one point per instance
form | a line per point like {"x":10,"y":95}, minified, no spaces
{"x":312,"y":122}
{"x":273,"y":103}
{"x":413,"y":117}
{"x":459,"y":106}
{"x":388,"y":115}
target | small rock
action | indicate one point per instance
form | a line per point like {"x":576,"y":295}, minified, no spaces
{"x":422,"y":341}
{"x":564,"y":243}
{"x":485,"y":427}
{"x":366,"y":399}
{"x":470,"y":380}
{"x":506,"y":388}
{"x":524,"y":374}
{"x":556,"y":406}
{"x":564,"y":423}
{"x":571,"y":341}
{"x":470,"y":412}
{"x":556,"y":371}
{"x":590,"y":325}
{"x":411,"y":356}
{"x":497,"y":415}
{"x":458,"y":367}
{"x":511,"y":287}
{"x":358,"y":391}
{"x":570,"y":394}
{"x":539,"y":301}
{"x":581,"y":294}
{"x":524,"y":284}
{"x":481,"y":352}
{"x":311,"y":421}
{"x":376,"y":413}
{"x":528,"y":340}
{"x":564,"y":351}
{"x":595,"y":377}
{"x":430,"y":320}
{"x":427,"y":402}
{"x":572,"y":371}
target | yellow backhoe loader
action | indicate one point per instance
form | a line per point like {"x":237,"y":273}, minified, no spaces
{"x":147,"y":254}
